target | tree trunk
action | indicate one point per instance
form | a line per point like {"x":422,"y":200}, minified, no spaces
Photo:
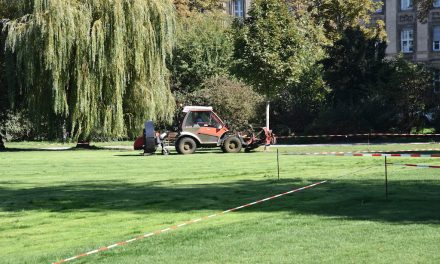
{"x":2,"y":144}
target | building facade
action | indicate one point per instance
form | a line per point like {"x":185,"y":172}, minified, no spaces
{"x":417,"y":41}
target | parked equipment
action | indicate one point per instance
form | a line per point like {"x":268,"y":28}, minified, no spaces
{"x":150,"y":140}
{"x":200,"y":128}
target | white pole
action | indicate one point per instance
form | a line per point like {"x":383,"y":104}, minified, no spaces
{"x":267,"y":122}
{"x":267,"y":114}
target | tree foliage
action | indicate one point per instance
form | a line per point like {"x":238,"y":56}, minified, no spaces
{"x":15,"y":9}
{"x":410,"y":94}
{"x":369,"y":92}
{"x":273,"y":47}
{"x":352,"y":65}
{"x":295,"y":108}
{"x":201,"y":68}
{"x":233,"y":100}
{"x":14,"y":126}
{"x":204,"y":49}
{"x":186,"y":8}
{"x":98,"y":65}
{"x":338,"y":15}
{"x":4,"y":104}
{"x":353,"y":72}
{"x":423,"y":8}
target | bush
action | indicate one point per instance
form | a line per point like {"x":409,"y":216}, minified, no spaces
{"x":296,"y":107}
{"x":410,"y":91}
{"x":203,"y":50}
{"x":232,"y":100}
{"x":16,"y":126}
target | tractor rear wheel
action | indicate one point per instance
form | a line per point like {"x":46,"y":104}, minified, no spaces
{"x":186,"y":145}
{"x":232,"y":145}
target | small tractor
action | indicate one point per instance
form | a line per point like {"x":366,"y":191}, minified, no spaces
{"x":201,"y":128}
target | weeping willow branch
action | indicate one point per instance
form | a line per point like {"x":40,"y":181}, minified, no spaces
{"x":99,"y":65}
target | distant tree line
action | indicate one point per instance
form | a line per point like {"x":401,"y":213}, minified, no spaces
{"x":94,"y":69}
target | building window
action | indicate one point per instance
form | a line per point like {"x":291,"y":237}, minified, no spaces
{"x":406,"y":4}
{"x":436,"y":38}
{"x":436,"y":3}
{"x":238,"y":8}
{"x":379,"y":8}
{"x":436,"y":82}
{"x":407,"y":40}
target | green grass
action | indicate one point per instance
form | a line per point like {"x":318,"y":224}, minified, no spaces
{"x":57,"y":204}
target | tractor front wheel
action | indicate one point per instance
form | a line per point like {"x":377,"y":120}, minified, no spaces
{"x":186,"y":145}
{"x":232,"y":145}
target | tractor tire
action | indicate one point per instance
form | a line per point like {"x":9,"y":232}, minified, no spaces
{"x":232,"y":145}
{"x":186,"y":145}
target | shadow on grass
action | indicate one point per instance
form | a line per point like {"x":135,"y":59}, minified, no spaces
{"x":52,"y":149}
{"x":33,"y":149}
{"x":96,"y":148}
{"x":409,"y":201}
{"x":173,"y":153}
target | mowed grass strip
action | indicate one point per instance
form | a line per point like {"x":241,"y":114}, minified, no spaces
{"x":55,"y":205}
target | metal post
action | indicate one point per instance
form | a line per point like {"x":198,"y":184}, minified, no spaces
{"x":386,"y":178}
{"x":267,"y":114}
{"x":278,"y":164}
{"x":266,"y":148}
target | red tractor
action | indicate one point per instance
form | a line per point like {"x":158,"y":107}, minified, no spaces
{"x":201,"y":128}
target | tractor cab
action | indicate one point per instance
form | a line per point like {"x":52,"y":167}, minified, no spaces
{"x":203,"y":124}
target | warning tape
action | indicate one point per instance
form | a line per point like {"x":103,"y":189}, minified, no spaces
{"x":355,"y":154}
{"x":416,"y":165}
{"x":360,"y":135}
{"x":187,"y":223}
{"x":363,"y":151}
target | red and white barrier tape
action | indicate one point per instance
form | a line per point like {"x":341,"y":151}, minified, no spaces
{"x":416,"y":165}
{"x":356,"y":154}
{"x":187,"y":223}
{"x":360,"y":135}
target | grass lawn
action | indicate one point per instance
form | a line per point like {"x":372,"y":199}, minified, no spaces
{"x":57,"y":204}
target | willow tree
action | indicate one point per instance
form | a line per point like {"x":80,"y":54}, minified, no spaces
{"x":97,"y":66}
